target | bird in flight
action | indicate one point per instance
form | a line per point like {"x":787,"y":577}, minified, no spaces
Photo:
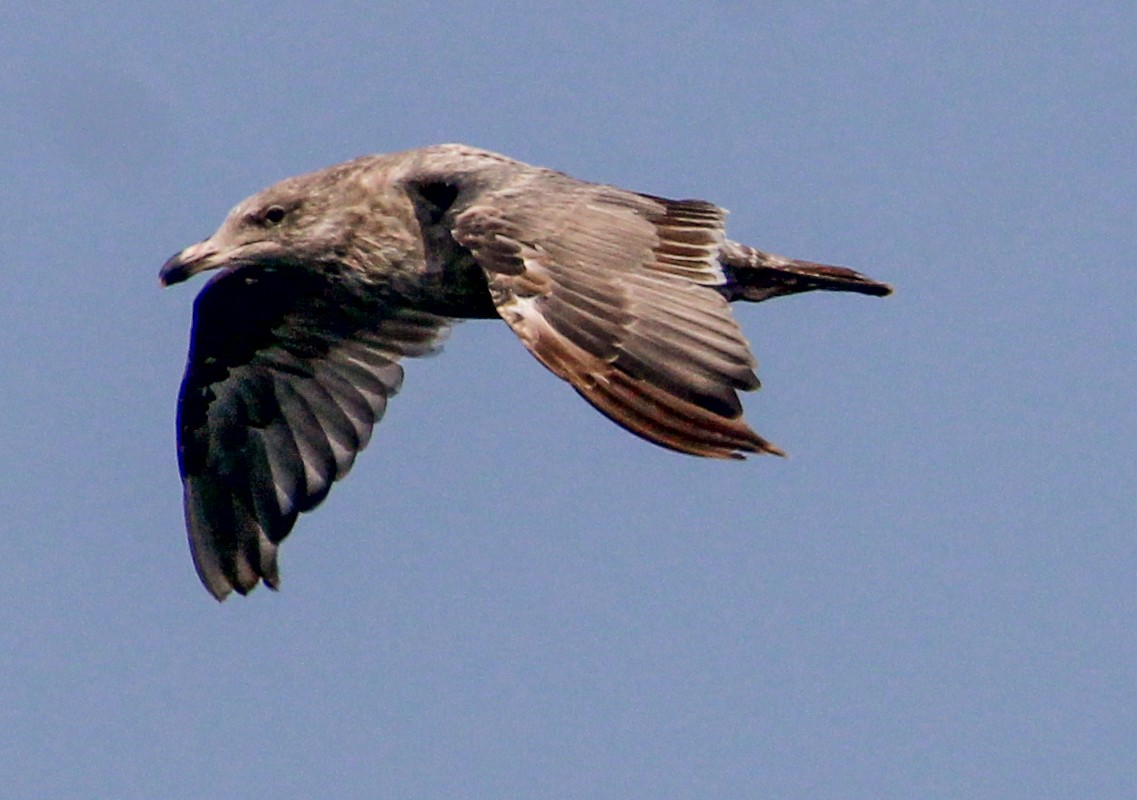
{"x":326,"y":281}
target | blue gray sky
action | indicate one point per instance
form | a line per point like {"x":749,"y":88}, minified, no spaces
{"x":932,"y":597}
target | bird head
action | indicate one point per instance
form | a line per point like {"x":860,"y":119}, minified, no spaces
{"x":297,"y":221}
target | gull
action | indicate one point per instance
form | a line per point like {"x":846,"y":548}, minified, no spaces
{"x":326,"y":281}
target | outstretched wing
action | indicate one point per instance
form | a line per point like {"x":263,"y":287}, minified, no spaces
{"x":288,"y":372}
{"x":617,"y":293}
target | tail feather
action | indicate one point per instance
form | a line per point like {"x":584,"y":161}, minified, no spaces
{"x":755,"y":276}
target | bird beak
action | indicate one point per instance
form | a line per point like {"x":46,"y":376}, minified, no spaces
{"x":194,"y":259}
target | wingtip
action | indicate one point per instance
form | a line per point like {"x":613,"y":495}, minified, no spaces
{"x":217,"y":586}
{"x":772,"y":449}
{"x":757,"y":447}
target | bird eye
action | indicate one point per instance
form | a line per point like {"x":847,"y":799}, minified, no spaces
{"x":273,"y":215}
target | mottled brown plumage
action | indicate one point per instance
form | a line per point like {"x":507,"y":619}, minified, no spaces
{"x":327,"y":280}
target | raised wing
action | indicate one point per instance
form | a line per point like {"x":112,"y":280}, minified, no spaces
{"x":288,"y":372}
{"x":616,"y":293}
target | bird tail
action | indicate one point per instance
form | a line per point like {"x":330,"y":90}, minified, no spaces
{"x":755,"y":276}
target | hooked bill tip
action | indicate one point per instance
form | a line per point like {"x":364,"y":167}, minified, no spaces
{"x":173,"y":271}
